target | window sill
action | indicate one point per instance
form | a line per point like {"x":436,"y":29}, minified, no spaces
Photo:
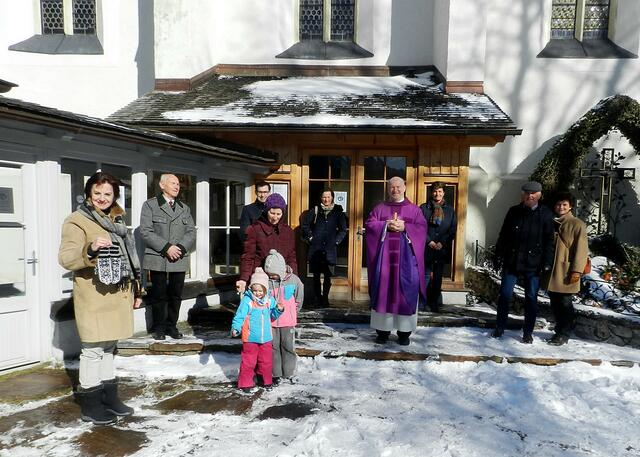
{"x":60,"y":44}
{"x":320,"y":50}
{"x":587,"y":49}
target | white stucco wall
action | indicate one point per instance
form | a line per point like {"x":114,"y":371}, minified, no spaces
{"x":466,"y":40}
{"x":193,"y":36}
{"x":543,"y":96}
{"x":95,"y":85}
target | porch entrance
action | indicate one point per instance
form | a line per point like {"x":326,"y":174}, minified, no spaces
{"x":19,"y":330}
{"x":359,"y":182}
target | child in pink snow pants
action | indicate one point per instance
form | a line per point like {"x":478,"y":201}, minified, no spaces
{"x":253,"y":322}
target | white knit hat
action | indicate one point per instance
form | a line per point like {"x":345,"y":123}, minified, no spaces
{"x":260,"y":277}
{"x":275,"y":264}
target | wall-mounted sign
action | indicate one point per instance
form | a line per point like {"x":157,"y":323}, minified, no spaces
{"x":6,"y":200}
{"x":341,"y":199}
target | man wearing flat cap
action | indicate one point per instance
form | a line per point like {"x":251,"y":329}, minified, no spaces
{"x":524,"y":249}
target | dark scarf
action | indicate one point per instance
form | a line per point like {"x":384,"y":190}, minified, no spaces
{"x":120,"y":262}
{"x":437,"y":213}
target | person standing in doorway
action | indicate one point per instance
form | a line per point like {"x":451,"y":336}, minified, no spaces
{"x":324,"y":228}
{"x":441,"y":230}
{"x":524,"y":250}
{"x":169,"y":233}
{"x":395,"y":237}
{"x":571,"y":255}
{"x":251,"y":212}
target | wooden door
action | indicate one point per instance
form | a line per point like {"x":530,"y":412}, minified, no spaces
{"x":373,"y":170}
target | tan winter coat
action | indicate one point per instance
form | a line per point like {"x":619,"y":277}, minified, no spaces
{"x":103,"y":313}
{"x":572,"y":250}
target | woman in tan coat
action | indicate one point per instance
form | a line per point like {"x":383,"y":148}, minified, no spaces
{"x":571,"y":253}
{"x":100,"y":251}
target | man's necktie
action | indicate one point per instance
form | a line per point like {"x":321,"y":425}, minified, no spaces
{"x":171,"y":204}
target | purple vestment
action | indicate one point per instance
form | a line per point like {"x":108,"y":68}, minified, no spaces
{"x":395,"y":261}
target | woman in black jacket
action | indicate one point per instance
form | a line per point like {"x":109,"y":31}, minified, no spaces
{"x":324,"y":228}
{"x":442,"y":225}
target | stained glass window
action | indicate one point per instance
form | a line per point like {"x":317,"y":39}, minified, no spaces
{"x":83,"y":13}
{"x":563,"y":19}
{"x":52,"y":15}
{"x":84,"y":17}
{"x":596,"y":19}
{"x":342,"y":19}
{"x":311,"y":19}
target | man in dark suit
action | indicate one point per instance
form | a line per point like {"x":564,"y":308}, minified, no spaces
{"x":441,"y":230}
{"x":251,"y":212}
{"x":169,"y":233}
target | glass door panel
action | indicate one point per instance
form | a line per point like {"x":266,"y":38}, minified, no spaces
{"x":374,"y":170}
{"x":334,"y":172}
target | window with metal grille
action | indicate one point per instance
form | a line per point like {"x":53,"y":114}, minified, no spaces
{"x":84,"y":17}
{"x":311,"y":19}
{"x":342,"y":20}
{"x":52,"y":14}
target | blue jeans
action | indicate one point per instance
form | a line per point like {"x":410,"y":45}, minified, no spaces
{"x":531,"y":286}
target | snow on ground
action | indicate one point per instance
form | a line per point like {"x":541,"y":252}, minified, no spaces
{"x":426,"y":408}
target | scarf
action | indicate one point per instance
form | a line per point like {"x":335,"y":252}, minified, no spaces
{"x":119,"y":262}
{"x":437,"y":214}
{"x":327,"y":209}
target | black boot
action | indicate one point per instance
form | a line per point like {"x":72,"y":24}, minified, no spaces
{"x":403,"y":338}
{"x":91,"y":407}
{"x":110,"y":399}
{"x":382,"y":337}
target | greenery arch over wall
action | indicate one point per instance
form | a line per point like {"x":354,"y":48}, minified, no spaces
{"x":557,"y":171}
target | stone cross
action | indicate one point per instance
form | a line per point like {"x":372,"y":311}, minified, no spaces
{"x":607,"y":173}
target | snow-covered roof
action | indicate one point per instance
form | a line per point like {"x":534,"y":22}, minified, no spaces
{"x":331,"y":102}
{"x":32,"y":112}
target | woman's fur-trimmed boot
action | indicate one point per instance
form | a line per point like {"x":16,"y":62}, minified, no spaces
{"x":111,"y":401}
{"x":91,"y":407}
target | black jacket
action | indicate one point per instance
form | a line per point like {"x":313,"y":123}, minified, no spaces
{"x":324,"y":234}
{"x":525,"y":243}
{"x":250,"y":214}
{"x":443,"y":233}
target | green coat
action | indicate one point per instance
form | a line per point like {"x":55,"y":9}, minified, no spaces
{"x":103,"y":313}
{"x":571,"y":252}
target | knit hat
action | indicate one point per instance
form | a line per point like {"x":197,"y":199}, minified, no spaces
{"x":259,"y":277}
{"x":275,"y":201}
{"x":274,"y":264}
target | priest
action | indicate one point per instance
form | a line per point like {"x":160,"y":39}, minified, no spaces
{"x":395,"y":237}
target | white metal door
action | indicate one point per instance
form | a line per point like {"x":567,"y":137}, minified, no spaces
{"x":19,"y":329}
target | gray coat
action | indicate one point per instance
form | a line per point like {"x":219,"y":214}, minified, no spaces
{"x":161,"y":227}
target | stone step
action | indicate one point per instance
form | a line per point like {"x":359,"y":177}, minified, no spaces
{"x":314,"y":340}
{"x":449,"y":316}
{"x":194,"y":346}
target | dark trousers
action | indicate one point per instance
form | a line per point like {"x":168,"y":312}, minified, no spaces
{"x":563,"y":312}
{"x":433,"y":272}
{"x":321,"y":289}
{"x":531,"y":286}
{"x":166,"y":298}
